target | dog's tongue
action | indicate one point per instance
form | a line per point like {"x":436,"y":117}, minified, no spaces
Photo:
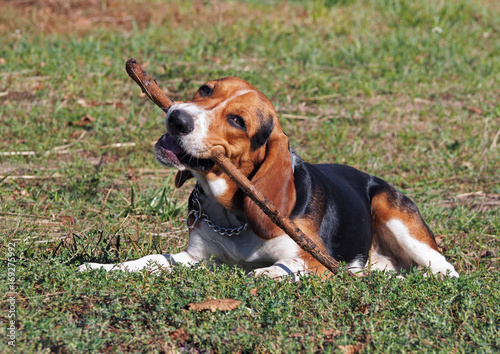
{"x":170,"y":144}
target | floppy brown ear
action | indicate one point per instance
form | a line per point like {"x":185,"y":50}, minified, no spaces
{"x":181,"y":177}
{"x":275,"y":179}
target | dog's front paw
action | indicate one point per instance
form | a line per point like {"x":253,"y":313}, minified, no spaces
{"x":263,"y":272}
{"x":273,"y":272}
{"x":153,"y":263}
{"x":291,"y":269}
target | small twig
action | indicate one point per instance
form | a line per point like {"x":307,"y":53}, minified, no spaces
{"x":151,"y":88}
{"x":294,"y":116}
{"x":107,"y":196}
{"x":34,"y":297}
{"x":119,"y":145}
{"x":15,"y":153}
{"x":8,"y":177}
{"x":23,"y":215}
{"x":57,"y":150}
{"x":495,"y":140}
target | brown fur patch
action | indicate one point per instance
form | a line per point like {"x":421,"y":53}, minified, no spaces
{"x":394,"y":205}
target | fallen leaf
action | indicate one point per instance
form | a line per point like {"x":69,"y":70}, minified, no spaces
{"x":350,"y":349}
{"x":439,"y":242}
{"x":330,"y":334}
{"x":179,"y":334}
{"x":65,"y":219}
{"x":85,"y":120}
{"x":254,"y":291}
{"x":214,"y":305}
{"x":476,"y":110}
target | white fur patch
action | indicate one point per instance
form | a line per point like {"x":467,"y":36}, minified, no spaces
{"x":380,"y":262}
{"x":357,"y":266}
{"x":420,"y":252}
{"x":218,"y":186}
{"x":152,"y":262}
{"x":223,"y":104}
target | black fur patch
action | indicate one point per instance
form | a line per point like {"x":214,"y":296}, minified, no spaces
{"x":264,"y":132}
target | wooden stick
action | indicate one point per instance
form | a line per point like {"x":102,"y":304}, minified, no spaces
{"x":150,"y":87}
{"x":268,"y":207}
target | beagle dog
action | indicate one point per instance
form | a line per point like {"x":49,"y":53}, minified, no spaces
{"x":357,"y":218}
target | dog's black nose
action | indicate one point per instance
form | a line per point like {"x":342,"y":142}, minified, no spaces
{"x":180,"y":122}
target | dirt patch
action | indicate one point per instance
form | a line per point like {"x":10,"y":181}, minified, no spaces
{"x":80,"y":16}
{"x":69,"y":17}
{"x":478,"y":201}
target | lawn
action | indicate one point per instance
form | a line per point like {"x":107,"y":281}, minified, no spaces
{"x":406,"y":90}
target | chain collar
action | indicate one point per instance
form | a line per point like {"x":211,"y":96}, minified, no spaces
{"x":199,"y":214}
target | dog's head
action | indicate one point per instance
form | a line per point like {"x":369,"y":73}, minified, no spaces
{"x":231,"y":114}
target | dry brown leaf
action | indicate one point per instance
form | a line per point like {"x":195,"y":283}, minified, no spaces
{"x":472,"y":109}
{"x":179,"y":334}
{"x":85,"y":120}
{"x":65,"y":219}
{"x":214,"y":305}
{"x":330,"y":334}
{"x":350,"y":349}
{"x":439,"y":242}
{"x":254,"y":291}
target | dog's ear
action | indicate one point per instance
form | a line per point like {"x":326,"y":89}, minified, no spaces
{"x":274,"y":178}
{"x":181,"y":177}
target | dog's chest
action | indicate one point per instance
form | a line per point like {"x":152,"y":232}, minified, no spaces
{"x":246,"y":250}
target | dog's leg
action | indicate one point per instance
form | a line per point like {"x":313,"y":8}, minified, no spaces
{"x":293,"y":268}
{"x":154,"y":263}
{"x":401,"y":235}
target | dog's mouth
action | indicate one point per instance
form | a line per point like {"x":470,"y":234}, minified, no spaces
{"x":170,"y":153}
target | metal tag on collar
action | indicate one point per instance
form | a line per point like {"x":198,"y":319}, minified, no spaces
{"x":195,"y":213}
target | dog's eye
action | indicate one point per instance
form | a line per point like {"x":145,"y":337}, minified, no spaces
{"x":205,"y":91}
{"x":236,"y":121}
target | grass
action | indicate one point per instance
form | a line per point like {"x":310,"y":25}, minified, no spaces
{"x":404,"y":90}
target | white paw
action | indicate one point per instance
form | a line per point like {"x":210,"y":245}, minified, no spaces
{"x":264,"y":272}
{"x":275,"y":273}
{"x":152,"y":263}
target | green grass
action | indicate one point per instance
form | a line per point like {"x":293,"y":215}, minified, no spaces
{"x":404,"y":90}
